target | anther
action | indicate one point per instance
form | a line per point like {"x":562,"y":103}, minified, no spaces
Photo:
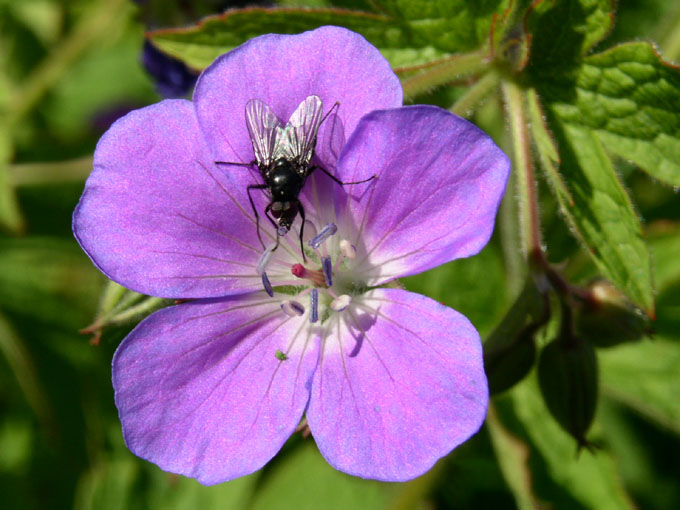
{"x":341,"y":302}
{"x":347,"y":249}
{"x":264,"y":260}
{"x":292,"y":308}
{"x":267,"y":284}
{"x":325,"y":233}
{"x":327,"y":267}
{"x":314,"y":302}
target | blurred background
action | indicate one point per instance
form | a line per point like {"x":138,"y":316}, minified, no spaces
{"x":68,"y":69}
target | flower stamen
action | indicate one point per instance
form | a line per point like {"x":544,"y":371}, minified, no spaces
{"x":327,"y":267}
{"x":341,"y":302}
{"x":326,"y":232}
{"x":292,"y":308}
{"x":267,"y":284}
{"x":314,"y":302}
{"x":264,"y":260}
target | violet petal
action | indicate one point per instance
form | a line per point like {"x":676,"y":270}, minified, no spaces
{"x":201,"y":392}
{"x":282,"y":70}
{"x":401,"y":387}
{"x":440,"y":182}
{"x":158,"y":217}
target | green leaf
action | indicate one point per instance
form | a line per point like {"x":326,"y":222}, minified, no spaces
{"x":451,"y":25}
{"x":20,"y":361}
{"x":546,"y":148}
{"x":630,"y":98}
{"x":10,"y":215}
{"x":563,"y":30}
{"x":41,"y":277}
{"x":512,"y":455}
{"x":646,"y":377}
{"x":590,"y":478}
{"x":180,"y":493}
{"x":199,"y":45}
{"x":665,"y":248}
{"x":437,"y":31}
{"x":302,"y":479}
{"x":602,"y":216}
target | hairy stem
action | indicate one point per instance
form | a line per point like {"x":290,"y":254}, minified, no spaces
{"x":444,"y":71}
{"x":524,"y":173}
{"x":475,"y":95}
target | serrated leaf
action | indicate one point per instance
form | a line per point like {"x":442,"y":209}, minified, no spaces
{"x":646,"y":377}
{"x":199,"y":45}
{"x":602,"y":216}
{"x":452,"y":25}
{"x":406,"y":40}
{"x":589,"y":478}
{"x":630,"y":98}
{"x":562,"y":31}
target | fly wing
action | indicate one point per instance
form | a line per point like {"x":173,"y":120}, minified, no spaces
{"x":297,"y":140}
{"x":264,"y":127}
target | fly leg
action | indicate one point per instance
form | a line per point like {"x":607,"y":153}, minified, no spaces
{"x":338,"y":181}
{"x":301,"y":210}
{"x":257,"y":216}
{"x":273,"y":222}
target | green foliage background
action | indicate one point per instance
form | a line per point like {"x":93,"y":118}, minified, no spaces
{"x":609,"y":157}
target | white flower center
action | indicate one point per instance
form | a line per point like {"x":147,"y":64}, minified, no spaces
{"x":325,"y":283}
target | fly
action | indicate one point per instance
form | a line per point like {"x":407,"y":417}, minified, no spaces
{"x":283,"y":155}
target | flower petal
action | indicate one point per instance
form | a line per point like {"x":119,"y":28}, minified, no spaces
{"x":158,"y":217}
{"x":401,"y":383}
{"x":440,"y":182}
{"x":201,"y":389}
{"x":282,"y":70}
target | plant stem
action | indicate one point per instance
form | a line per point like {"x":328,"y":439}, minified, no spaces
{"x":524,"y":174}
{"x":442,"y":72}
{"x":468,"y":102}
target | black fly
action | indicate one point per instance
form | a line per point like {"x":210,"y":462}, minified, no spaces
{"x":283,"y":155}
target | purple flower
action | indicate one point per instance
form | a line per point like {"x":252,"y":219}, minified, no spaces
{"x":389,"y":381}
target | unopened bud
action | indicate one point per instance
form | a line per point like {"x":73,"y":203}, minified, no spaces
{"x":608,"y":318}
{"x":510,"y":363}
{"x":567,"y":375}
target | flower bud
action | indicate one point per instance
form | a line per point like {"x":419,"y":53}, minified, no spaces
{"x":608,"y":318}
{"x":508,"y":365}
{"x":510,"y":350}
{"x":567,"y":375}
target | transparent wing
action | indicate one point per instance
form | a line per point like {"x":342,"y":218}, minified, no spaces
{"x":297,"y":140}
{"x":264,"y":128}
